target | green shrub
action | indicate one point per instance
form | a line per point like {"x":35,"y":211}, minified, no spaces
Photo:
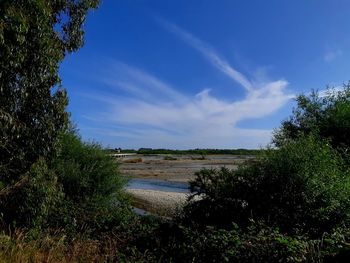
{"x":81,"y":191}
{"x":92,"y":186}
{"x":29,"y":202}
{"x":86,"y":172}
{"x":177,"y":243}
{"x":301,"y":188}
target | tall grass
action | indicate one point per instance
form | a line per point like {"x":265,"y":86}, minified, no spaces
{"x":54,"y":247}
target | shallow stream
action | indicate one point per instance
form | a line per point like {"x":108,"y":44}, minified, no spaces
{"x":159,"y":185}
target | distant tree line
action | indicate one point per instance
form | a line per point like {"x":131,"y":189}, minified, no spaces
{"x":190,"y":151}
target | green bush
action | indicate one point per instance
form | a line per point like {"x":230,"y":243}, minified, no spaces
{"x":85,"y":171}
{"x":91,"y":184}
{"x":301,"y":188}
{"x":30,"y":202}
{"x":171,"y":242}
{"x":81,"y":191}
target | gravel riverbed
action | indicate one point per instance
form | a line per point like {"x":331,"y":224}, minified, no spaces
{"x":159,"y":202}
{"x":178,"y":169}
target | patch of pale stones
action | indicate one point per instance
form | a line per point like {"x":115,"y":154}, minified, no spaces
{"x":159,"y":201}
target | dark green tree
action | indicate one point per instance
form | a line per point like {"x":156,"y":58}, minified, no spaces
{"x":326,"y":116}
{"x":35,"y":36}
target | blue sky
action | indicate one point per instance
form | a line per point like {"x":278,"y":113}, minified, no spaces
{"x":202,"y":73}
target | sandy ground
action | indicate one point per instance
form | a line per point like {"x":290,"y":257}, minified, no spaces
{"x":181,"y":170}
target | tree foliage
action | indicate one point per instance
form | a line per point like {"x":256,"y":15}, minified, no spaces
{"x":35,"y":36}
{"x":257,"y":243}
{"x":82,"y":189}
{"x":301,"y":188}
{"x":91,"y":186}
{"x":197,"y":151}
{"x":325,"y":115}
{"x":85,"y":171}
{"x":31,"y":200}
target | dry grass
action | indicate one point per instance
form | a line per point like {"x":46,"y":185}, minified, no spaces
{"x":18,"y":248}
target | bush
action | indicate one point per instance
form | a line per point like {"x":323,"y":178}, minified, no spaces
{"x":301,"y":188}
{"x":85,"y":171}
{"x":258,"y":243}
{"x":82,"y":190}
{"x":29,"y":202}
{"x":92,"y":187}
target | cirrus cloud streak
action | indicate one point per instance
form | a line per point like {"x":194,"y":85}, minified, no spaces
{"x":153,"y":113}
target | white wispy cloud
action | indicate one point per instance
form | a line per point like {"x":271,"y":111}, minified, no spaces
{"x":138,"y":83}
{"x":157,"y":115}
{"x":208,"y":52}
{"x":201,"y":120}
{"x":332,"y":55}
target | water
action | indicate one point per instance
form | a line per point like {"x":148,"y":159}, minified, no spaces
{"x":159,"y":185}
